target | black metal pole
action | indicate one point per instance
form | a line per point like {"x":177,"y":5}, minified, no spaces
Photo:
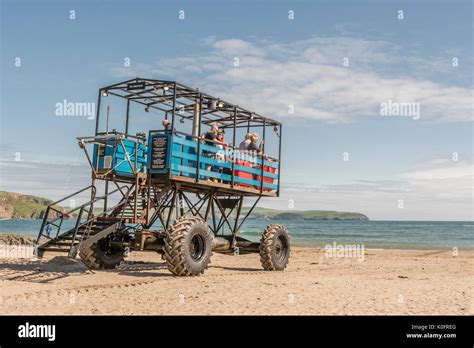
{"x":98,"y":112}
{"x":127,"y":116}
{"x":106,"y":194}
{"x":237,"y":216}
{"x":172,"y":130}
{"x":198,"y":159}
{"x":279,"y":163}
{"x":233,"y":149}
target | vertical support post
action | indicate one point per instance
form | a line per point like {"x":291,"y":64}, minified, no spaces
{"x":279,"y":162}
{"x":233,"y":148}
{"x":171,"y":208}
{"x":98,"y":112}
{"x":135,"y":162}
{"x":177,"y":203}
{"x":181,"y":205}
{"x":213,"y":211}
{"x":198,"y":158}
{"x":45,"y":218}
{"x":127,"y":115}
{"x":148,"y":203}
{"x":237,"y":216}
{"x":135,"y":200}
{"x":172,"y":129}
{"x":208,"y":208}
{"x":106,"y":193}
{"x":93,"y":192}
{"x":76,"y":227}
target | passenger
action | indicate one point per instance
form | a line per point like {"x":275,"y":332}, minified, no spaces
{"x":220,"y":145}
{"x":166,"y":123}
{"x":210,"y":137}
{"x":219,"y":156}
{"x":254,"y":150}
{"x":244,"y":144}
{"x":253,"y":147}
{"x":211,"y":134}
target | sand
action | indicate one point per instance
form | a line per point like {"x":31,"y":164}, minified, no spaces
{"x":387,"y":282}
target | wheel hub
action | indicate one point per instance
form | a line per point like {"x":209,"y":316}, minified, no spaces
{"x":197,"y":247}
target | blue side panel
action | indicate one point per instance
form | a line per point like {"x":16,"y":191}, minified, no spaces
{"x":128,"y":158}
{"x":247,"y":172}
{"x":125,"y":159}
{"x":176,"y":161}
{"x":183,"y":146}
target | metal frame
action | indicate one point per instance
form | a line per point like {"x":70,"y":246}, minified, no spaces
{"x":146,"y":200}
{"x":177,"y":100}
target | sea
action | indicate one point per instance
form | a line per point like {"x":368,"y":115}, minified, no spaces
{"x":370,"y":234}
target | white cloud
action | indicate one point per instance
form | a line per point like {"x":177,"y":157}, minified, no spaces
{"x":453,"y":171}
{"x":309,"y":75}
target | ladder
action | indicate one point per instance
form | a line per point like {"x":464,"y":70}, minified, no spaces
{"x":89,"y":226}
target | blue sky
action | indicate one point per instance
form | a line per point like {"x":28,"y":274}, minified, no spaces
{"x":427,"y":163}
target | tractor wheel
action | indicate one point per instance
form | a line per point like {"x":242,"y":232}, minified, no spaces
{"x":275,"y":248}
{"x":102,"y":255}
{"x":188,"y":246}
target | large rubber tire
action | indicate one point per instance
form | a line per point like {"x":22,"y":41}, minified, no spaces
{"x":275,"y":248}
{"x":188,"y":246}
{"x":100,"y":256}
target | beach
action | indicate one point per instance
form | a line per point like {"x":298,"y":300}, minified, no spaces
{"x":383,"y":282}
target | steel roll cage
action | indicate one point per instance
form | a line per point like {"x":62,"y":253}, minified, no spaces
{"x":178,"y":100}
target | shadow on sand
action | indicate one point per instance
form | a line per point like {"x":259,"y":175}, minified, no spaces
{"x":45,"y":271}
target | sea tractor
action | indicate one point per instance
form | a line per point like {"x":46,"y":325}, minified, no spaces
{"x":173,"y":190}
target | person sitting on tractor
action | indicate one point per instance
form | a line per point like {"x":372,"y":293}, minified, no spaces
{"x":246,"y":142}
{"x":220,"y":156}
{"x":253,"y":148}
{"x":210,"y":137}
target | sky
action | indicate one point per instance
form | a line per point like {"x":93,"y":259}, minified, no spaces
{"x":325,"y":69}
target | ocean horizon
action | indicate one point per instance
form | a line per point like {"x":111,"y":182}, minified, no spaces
{"x":370,"y":234}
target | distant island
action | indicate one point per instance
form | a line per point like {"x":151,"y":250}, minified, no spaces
{"x":274,"y":214}
{"x":18,"y":206}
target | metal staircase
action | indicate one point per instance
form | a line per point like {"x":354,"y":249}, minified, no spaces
{"x":89,"y":226}
{"x":136,"y":204}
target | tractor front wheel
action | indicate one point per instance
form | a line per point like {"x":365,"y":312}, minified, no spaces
{"x":188,"y":246}
{"x":103,"y":255}
{"x":275,"y":248}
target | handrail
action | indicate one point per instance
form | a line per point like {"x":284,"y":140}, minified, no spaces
{"x":102,"y":213}
{"x":118,"y":136}
{"x":90,"y":203}
{"x":73,"y":194}
{"x":105,"y":212}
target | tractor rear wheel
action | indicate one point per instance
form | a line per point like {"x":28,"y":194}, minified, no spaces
{"x":103,"y":254}
{"x":188,"y":246}
{"x":275,"y":248}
